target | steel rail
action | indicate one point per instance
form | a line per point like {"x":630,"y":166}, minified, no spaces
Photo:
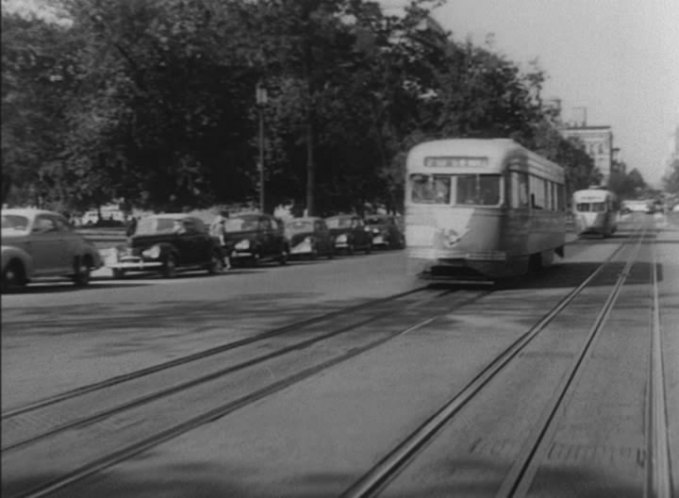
{"x":177,"y":430}
{"x":119,"y":379}
{"x":520,"y":477}
{"x":372,"y":482}
{"x":142,"y":400}
{"x":659,"y":477}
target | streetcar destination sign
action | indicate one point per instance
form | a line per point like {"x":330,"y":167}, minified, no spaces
{"x":455,"y":162}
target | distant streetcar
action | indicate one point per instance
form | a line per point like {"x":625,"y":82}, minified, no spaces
{"x":595,"y":211}
{"x":481,"y":209}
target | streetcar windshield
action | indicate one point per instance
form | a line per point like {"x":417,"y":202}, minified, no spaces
{"x":475,"y":190}
{"x":591,"y":207}
{"x":430,"y":189}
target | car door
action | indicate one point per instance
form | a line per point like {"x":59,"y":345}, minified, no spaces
{"x":190,"y":242}
{"x":47,"y":247}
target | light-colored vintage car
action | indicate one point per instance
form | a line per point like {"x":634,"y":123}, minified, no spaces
{"x":38,"y":243}
{"x":309,"y":237}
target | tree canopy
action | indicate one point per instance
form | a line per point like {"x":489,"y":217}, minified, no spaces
{"x":153,"y":102}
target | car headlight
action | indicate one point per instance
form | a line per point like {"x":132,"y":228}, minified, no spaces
{"x":151,"y":252}
{"x":122,"y":252}
{"x":243,"y":245}
{"x":342,"y":238}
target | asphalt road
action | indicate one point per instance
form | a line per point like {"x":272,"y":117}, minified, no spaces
{"x":316,"y":437}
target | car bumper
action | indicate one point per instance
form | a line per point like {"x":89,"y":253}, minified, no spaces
{"x":135,"y":265}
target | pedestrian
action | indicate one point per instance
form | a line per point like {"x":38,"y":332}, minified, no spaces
{"x":218,"y":230}
{"x":131,"y":227}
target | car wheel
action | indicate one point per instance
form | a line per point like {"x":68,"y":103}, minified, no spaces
{"x":14,"y":276}
{"x":369,"y":249}
{"x":314,"y":253}
{"x":255,"y":259}
{"x":170,"y":266}
{"x":118,"y":273}
{"x":283,"y":258}
{"x":216,"y":265}
{"x":350,"y":249}
{"x":81,"y":277}
{"x":331,"y":253}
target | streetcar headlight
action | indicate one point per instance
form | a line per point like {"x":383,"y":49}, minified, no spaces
{"x":243,"y":245}
{"x":151,"y":252}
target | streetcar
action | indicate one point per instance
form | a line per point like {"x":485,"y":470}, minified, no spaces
{"x":481,"y":209}
{"x":595,"y":211}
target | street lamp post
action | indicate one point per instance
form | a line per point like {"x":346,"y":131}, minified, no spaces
{"x":261,"y":100}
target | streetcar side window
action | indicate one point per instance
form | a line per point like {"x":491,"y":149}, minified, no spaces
{"x":537,"y":192}
{"x":519,"y":190}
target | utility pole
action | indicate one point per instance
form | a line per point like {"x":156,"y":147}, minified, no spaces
{"x":261,"y":99}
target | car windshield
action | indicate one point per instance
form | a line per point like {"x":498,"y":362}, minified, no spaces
{"x":151,"y":226}
{"x":241,"y":223}
{"x":14,"y":222}
{"x":338,"y":222}
{"x":296,"y":226}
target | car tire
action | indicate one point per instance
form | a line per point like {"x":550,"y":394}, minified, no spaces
{"x":13,"y":277}
{"x":170,"y":267}
{"x":216,"y":265}
{"x":369,"y":249}
{"x":118,"y":273}
{"x":83,"y":268}
{"x":350,"y":249}
{"x":283,"y":258}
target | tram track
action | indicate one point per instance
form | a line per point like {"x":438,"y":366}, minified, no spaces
{"x":144,"y":422}
{"x":386,"y":471}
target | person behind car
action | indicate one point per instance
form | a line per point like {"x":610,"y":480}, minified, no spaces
{"x":218,"y":230}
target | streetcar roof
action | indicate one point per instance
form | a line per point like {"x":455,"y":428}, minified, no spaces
{"x":497,"y":150}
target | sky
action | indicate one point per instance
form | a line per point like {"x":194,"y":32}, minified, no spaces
{"x":617,"y":58}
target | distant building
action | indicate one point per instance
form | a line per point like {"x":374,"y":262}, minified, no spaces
{"x":597,"y":142}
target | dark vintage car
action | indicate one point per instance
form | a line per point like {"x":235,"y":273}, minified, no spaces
{"x":255,"y":237}
{"x":386,"y":232}
{"x":350,"y":233}
{"x":309,"y":237}
{"x":167,"y":243}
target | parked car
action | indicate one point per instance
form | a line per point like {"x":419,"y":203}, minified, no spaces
{"x":350,"y":233}
{"x":385,"y":231}
{"x":38,"y":243}
{"x":255,"y":237}
{"x":309,"y":237}
{"x":168,"y":243}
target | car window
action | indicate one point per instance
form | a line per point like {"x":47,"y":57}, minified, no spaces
{"x":14,"y":222}
{"x":190,"y":226}
{"x":44,"y":224}
{"x":62,"y":225}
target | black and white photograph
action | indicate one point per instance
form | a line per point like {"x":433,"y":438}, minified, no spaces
{"x":340,"y":249}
